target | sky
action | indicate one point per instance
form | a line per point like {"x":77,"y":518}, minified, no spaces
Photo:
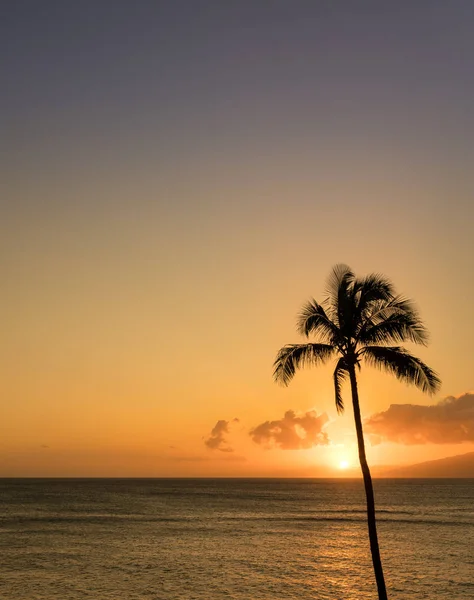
{"x":178,"y":178}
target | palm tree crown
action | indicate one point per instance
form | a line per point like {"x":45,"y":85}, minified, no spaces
{"x":360,"y":318}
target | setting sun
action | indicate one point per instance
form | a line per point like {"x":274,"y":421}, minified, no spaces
{"x":344,"y":464}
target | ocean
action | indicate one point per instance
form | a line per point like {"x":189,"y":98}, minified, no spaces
{"x":234,"y":539}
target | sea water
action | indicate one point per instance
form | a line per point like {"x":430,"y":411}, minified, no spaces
{"x":216,"y":539}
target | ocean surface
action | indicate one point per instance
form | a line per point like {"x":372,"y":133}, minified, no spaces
{"x":216,"y":539}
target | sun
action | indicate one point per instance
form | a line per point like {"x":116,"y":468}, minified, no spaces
{"x":343,"y":464}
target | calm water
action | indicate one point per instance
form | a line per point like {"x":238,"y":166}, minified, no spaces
{"x":233,"y":539}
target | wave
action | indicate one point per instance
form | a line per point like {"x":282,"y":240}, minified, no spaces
{"x":216,"y":522}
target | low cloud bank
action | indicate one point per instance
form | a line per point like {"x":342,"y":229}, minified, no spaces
{"x":450,"y":421}
{"x":292,"y":432}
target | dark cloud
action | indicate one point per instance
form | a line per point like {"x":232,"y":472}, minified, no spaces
{"x":451,"y":421}
{"x":293,"y":432}
{"x":218,"y":438}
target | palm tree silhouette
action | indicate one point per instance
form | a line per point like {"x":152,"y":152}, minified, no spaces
{"x":359,"y":319}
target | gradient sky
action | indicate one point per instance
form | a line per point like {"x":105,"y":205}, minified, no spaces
{"x":178,"y":178}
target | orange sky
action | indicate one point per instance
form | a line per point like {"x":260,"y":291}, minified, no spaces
{"x":170,"y":204}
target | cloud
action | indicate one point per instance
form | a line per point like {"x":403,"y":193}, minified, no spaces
{"x":218,"y":440}
{"x":451,"y":421}
{"x":293,"y":432}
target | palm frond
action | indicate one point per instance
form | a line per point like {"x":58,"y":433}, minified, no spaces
{"x":339,"y":301}
{"x":337,"y":286}
{"x":313,"y":319}
{"x":369,"y":290}
{"x":403,"y":365}
{"x":295,"y":356}
{"x":395,"y":327}
{"x":382,"y":310}
{"x":340,"y":375}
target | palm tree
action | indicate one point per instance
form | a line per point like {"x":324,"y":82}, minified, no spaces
{"x":361,"y":318}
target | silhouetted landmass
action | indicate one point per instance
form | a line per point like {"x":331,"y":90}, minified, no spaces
{"x":453,"y":467}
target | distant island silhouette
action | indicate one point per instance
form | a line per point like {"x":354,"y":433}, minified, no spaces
{"x":461,"y":465}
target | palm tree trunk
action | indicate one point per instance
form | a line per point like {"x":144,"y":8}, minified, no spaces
{"x":369,"y":491}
